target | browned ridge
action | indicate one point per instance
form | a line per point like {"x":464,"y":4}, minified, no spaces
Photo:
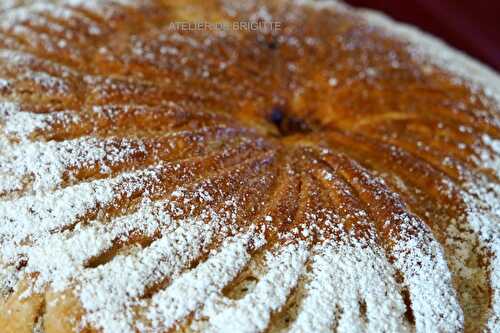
{"x":339,"y":173}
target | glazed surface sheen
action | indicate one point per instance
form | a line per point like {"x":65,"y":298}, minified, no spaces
{"x":325,"y":176}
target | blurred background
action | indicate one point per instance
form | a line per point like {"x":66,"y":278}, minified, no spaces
{"x":472,"y":26}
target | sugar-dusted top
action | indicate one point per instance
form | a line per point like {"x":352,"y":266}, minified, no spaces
{"x":336,"y":172}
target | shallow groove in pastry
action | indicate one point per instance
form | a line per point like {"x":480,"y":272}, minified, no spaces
{"x":446,"y":219}
{"x":193,"y":157}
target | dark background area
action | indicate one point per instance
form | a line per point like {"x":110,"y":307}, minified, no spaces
{"x":472,"y":26}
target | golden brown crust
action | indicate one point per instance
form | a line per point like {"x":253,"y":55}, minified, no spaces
{"x":328,"y":116}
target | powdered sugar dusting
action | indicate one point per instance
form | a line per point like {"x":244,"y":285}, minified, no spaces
{"x":17,"y":123}
{"x":490,"y":157}
{"x":198,"y":286}
{"x":483,"y":216}
{"x":147,"y":245}
{"x":117,"y":285}
{"x":421,"y":259}
{"x":52,"y":163}
{"x":253,"y":312}
{"x":425,"y":46}
{"x":34,"y":218}
{"x":343,"y":275}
